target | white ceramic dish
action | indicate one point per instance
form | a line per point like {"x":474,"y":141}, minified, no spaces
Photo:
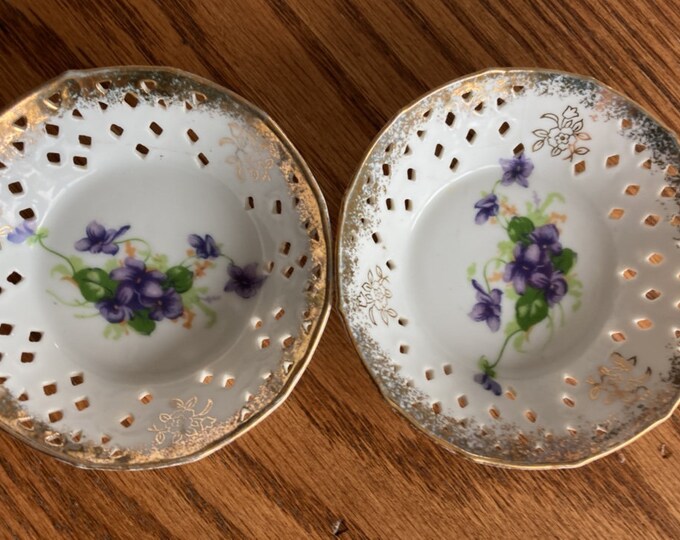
{"x":509,"y":267}
{"x":165,"y":267}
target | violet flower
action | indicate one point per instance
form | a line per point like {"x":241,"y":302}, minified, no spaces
{"x":145,"y":284}
{"x":547,"y":237}
{"x":245,"y":281}
{"x":100,"y":239}
{"x":516,"y":170}
{"x":22,"y":232}
{"x":528,"y":260}
{"x":553,"y":284}
{"x":488,"y":307}
{"x":167,"y":306}
{"x":488,"y":207}
{"x":488,"y":383}
{"x":206,"y":248}
{"x":118,"y":308}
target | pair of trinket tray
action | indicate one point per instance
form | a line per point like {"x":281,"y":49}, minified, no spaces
{"x":507,"y":267}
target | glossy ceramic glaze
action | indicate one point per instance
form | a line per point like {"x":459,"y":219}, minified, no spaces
{"x":509,"y":269}
{"x":165,"y":264}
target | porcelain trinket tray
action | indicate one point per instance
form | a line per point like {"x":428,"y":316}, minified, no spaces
{"x":164,"y":254}
{"x":509,"y":267}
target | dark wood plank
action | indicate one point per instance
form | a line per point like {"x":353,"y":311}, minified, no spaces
{"x":332,"y":73}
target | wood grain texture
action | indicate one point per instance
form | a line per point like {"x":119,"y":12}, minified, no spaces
{"x":332,"y":73}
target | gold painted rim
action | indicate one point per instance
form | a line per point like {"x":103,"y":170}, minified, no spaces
{"x":299,"y":366}
{"x":344,"y":211}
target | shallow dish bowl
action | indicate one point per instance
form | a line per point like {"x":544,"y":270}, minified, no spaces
{"x":164,"y":264}
{"x":509,"y":267}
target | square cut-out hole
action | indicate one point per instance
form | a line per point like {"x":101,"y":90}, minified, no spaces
{"x":408,"y":205}
{"x":85,"y":140}
{"x":27,"y":213}
{"x":131,"y":99}
{"x":142,"y":150}
{"x":82,"y":404}
{"x":450,"y":118}
{"x":15,"y":277}
{"x":54,"y":158}
{"x":77,"y":379}
{"x":580,"y":167}
{"x":671,"y":170}
{"x":27,"y":357}
{"x":646,"y":164}
{"x":156,"y":129}
{"x":504,"y":128}
{"x":52,"y":130}
{"x":668,"y":192}
{"x":652,"y":294}
{"x":288,"y":342}
{"x":403,"y":349}
{"x":429,"y":374}
{"x":437,"y":408}
{"x":447,"y":369}
{"x":612,"y":161}
{"x":116,"y":130}
{"x":265,"y":343}
{"x":388,"y":204}
{"x":192,"y":135}
{"x":616,"y":213}
{"x":618,"y":336}
{"x":644,"y":324}
{"x":105,"y":439}
{"x":655,"y":258}
{"x":284,"y":249}
{"x":470,"y":137}
{"x":411,"y":174}
{"x":287,"y":272}
{"x":462,"y":401}
{"x":632,"y":190}
{"x":402,"y":321}
{"x":55,"y":416}
{"x":420,"y":133}
{"x":80,"y":161}
{"x":50,"y":389}
{"x":386,"y":169}
{"x":626,"y":123}
{"x":675,"y":220}
{"x":145,"y":398}
{"x":127,"y":421}
{"x":15,"y":188}
{"x":519,"y":149}
{"x":229,"y":382}
{"x":206,"y":378}
{"x":651,"y":220}
{"x":5,"y":329}
{"x":629,"y":273}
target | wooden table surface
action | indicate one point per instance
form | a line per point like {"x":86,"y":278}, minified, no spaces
{"x":335,"y":459}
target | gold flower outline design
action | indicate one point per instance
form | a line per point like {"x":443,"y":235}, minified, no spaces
{"x":564,"y":136}
{"x":376,"y":297}
{"x":618,"y":382}
{"x":184,"y":422}
{"x":251,"y":159}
